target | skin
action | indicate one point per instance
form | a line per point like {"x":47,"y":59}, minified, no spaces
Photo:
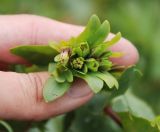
{"x":21,"y":94}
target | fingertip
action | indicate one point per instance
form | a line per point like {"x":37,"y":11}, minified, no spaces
{"x":130,"y":53}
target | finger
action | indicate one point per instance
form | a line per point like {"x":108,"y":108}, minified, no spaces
{"x":21,"y":97}
{"x":30,"y":29}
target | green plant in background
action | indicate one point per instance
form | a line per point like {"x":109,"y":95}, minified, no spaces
{"x":6,"y":125}
{"x":86,"y":57}
{"x":141,"y":25}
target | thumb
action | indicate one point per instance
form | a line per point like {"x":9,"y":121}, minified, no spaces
{"x":21,"y":97}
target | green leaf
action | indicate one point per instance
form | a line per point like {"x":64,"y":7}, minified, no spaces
{"x":55,"y":124}
{"x":59,"y":76}
{"x":127,"y":79}
{"x":106,"y":55}
{"x":36,"y":53}
{"x":85,"y":49}
{"x":90,"y":29}
{"x":100,"y":35}
{"x":114,"y":40}
{"x":82,"y":50}
{"x":6,"y":125}
{"x":136,"y":124}
{"x":99,"y":50}
{"x":135,"y":114}
{"x":85,"y":69}
{"x":105,"y":64}
{"x":78,"y":51}
{"x":156,"y":122}
{"x":107,"y":78}
{"x":132,"y":104}
{"x":68,"y":75}
{"x":53,"y":90}
{"x":94,"y":82}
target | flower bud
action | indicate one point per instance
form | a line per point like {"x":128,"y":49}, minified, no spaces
{"x":78,"y":63}
{"x":92,"y":64}
{"x":63,"y":57}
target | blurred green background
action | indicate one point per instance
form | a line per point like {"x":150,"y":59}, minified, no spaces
{"x":138,"y":21}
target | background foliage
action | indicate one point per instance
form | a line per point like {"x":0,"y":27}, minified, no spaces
{"x":138,"y":20}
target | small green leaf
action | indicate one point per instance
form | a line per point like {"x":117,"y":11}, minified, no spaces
{"x":107,"y":78}
{"x":36,"y":53}
{"x":54,"y":124}
{"x":85,"y":69}
{"x":94,"y":82}
{"x":135,"y":114}
{"x":59,"y":76}
{"x":105,"y":64}
{"x":98,"y":50}
{"x":82,"y":50}
{"x":127,"y":78}
{"x":78,"y":51}
{"x":72,"y":42}
{"x":100,"y":35}
{"x":156,"y":122}
{"x":90,"y":29}
{"x":6,"y":125}
{"x":132,"y":104}
{"x":85,"y":49}
{"x":52,"y":89}
{"x":114,"y":40}
{"x":133,"y":123}
{"x":106,"y":55}
{"x":68,"y":75}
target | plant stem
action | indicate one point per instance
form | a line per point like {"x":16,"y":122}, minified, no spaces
{"x":108,"y":110}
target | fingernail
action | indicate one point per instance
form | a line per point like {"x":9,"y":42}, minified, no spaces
{"x":79,"y":89}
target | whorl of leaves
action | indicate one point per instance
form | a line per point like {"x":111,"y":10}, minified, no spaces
{"x":85,"y":56}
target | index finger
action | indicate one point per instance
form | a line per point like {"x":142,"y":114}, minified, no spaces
{"x":29,"y":29}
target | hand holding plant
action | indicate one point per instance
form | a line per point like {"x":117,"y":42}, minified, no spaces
{"x":25,"y":90}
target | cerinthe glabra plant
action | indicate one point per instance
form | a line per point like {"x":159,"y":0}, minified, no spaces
{"x":86,"y":57}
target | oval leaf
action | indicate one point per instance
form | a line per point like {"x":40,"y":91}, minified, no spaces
{"x":36,"y":54}
{"x":52,"y":89}
{"x":95,"y":83}
{"x":108,"y":79}
{"x":90,"y":29}
{"x":101,"y":34}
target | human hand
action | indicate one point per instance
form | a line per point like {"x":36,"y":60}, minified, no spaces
{"x":21,"y":94}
